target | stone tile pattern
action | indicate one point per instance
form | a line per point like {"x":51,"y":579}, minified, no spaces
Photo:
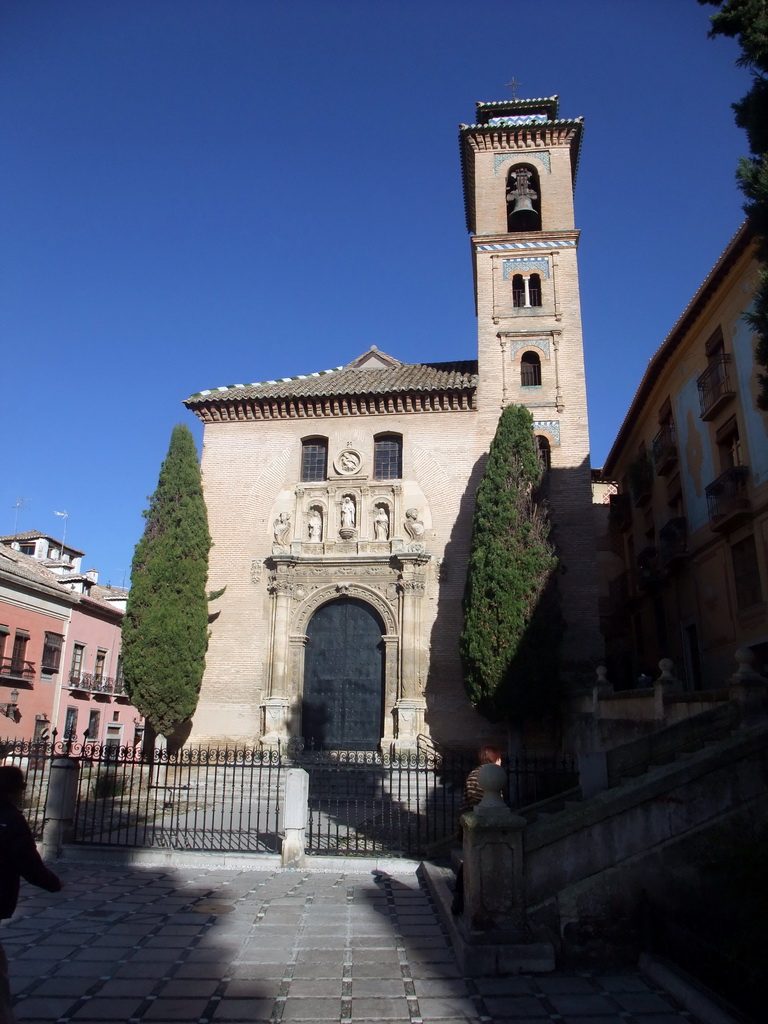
{"x":198,"y":946}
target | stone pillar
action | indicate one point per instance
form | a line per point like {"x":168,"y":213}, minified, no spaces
{"x":494,"y":889}
{"x":275,"y":715}
{"x":295,"y":814}
{"x":409,"y":715}
{"x":412,"y":588}
{"x":391,"y":685}
{"x":60,"y":805}
{"x":746,"y":687}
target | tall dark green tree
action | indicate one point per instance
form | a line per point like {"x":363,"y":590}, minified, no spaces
{"x":165,"y":632}
{"x":747,"y":22}
{"x":512,"y":623}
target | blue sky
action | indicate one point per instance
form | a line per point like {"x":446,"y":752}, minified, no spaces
{"x":196,"y":193}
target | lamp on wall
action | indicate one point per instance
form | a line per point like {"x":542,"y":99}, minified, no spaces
{"x":11,"y":709}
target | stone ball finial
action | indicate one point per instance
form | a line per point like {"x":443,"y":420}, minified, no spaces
{"x":492,"y":779}
{"x":745,"y":659}
{"x":667,"y":667}
{"x":602,"y":675}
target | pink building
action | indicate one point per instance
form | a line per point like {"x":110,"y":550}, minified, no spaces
{"x":60,"y":647}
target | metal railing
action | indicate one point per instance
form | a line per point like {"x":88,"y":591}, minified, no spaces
{"x":230,"y":799}
{"x":715,"y":383}
{"x":664,"y":448}
{"x":13,"y":668}
{"x":92,"y":682}
{"x":728,"y":494}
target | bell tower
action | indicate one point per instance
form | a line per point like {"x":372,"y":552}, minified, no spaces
{"x":519,"y":165}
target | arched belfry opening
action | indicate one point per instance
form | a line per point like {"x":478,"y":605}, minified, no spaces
{"x":523,"y":199}
{"x":343,"y":693}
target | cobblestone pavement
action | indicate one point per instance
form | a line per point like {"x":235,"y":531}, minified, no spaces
{"x":196,"y":945}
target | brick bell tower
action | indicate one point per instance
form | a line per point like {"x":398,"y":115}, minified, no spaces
{"x":519,"y":165}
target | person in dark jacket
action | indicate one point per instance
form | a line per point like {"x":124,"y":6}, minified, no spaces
{"x":471,"y":796}
{"x":18,"y":859}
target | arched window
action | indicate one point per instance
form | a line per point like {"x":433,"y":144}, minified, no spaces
{"x":545,"y":452}
{"x":530,"y":370}
{"x":523,"y":199}
{"x":314,"y":458}
{"x":518,"y":291}
{"x":534,"y":289}
{"x":387,"y":457}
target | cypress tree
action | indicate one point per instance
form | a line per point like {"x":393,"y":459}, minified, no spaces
{"x":512,"y":624}
{"x":165,"y":632}
{"x":747,"y":21}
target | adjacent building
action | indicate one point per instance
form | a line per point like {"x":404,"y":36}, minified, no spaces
{"x":340,"y":502}
{"x":689,"y":521}
{"x":60,"y":647}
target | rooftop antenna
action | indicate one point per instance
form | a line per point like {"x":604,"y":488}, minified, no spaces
{"x":514,"y":85}
{"x":20,"y":506}
{"x":65,"y":516}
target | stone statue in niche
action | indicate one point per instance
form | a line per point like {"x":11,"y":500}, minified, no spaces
{"x":347,"y":513}
{"x":281,"y":527}
{"x":413,"y":525}
{"x":315,"y":525}
{"x":381,"y":524}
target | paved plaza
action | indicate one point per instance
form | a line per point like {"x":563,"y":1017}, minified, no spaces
{"x":195,"y":944}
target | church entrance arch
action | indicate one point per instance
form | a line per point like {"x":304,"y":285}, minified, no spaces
{"x":343,"y":698}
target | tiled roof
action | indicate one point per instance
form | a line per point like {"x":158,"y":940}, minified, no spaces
{"x":33,"y":535}
{"x":29,"y":570}
{"x":352,"y":380}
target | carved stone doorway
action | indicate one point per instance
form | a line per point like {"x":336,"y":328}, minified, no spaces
{"x":343,"y":698}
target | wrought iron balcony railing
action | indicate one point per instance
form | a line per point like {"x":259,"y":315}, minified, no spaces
{"x":673,"y":541}
{"x":715,"y":386}
{"x":13,"y":668}
{"x":727,"y":498}
{"x":664,"y":447}
{"x":91,"y":682}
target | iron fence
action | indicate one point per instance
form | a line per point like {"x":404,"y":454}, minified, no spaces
{"x":402,"y":803}
{"x":360,"y":802}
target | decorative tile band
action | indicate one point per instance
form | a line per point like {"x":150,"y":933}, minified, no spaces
{"x":520,"y":156}
{"x":552,"y":427}
{"x":525,"y":266}
{"x":540,"y":343}
{"x":507,"y":246}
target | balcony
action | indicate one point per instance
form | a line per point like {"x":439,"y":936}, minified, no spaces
{"x":727,"y":499}
{"x":673,"y":542}
{"x":90,"y":682}
{"x":664,"y":447}
{"x":12,"y":668}
{"x":640,"y":477}
{"x":715,"y":387}
{"x":621,"y":511}
{"x":649,"y":574}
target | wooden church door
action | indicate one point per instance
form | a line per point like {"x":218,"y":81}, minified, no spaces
{"x":344,"y":677}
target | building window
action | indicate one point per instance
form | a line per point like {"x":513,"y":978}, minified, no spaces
{"x":545,"y":452}
{"x":746,"y":574}
{"x":93,"y":726}
{"x":4,"y":631}
{"x":100,"y":665}
{"x":530,"y":370}
{"x":70,"y":724}
{"x":729,"y":446}
{"x":526,"y":291}
{"x":314,"y":459}
{"x":19,"y":653}
{"x":76,"y":668}
{"x":52,"y":652}
{"x":388,"y":457}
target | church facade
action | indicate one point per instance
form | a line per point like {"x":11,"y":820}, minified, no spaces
{"x":340,"y":503}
